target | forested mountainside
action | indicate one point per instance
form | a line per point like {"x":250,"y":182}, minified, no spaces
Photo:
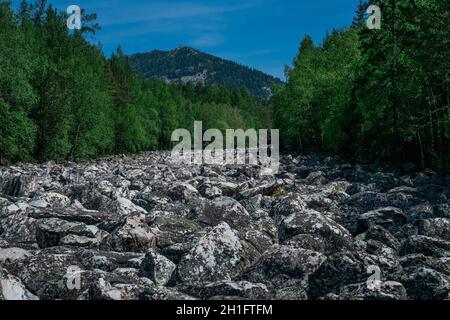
{"x":186,"y":64}
{"x":62,"y":99}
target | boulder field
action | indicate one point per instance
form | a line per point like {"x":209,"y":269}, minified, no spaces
{"x":144,"y":227}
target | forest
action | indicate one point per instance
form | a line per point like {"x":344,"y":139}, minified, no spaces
{"x":374,"y":95}
{"x":366,"y":95}
{"x":187,"y":62}
{"x":62,"y":99}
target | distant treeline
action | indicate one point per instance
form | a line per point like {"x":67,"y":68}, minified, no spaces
{"x":374,"y":94}
{"x":62,"y":99}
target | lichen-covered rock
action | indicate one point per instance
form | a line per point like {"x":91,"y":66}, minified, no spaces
{"x":389,"y":217}
{"x":266,"y":189}
{"x":19,"y":185}
{"x":420,"y":212}
{"x":51,"y":199}
{"x":216,"y":256}
{"x":379,"y":233}
{"x":287,"y":206}
{"x":338,"y":270}
{"x":426,"y":284}
{"x":385,"y":290}
{"x":183,"y":191}
{"x":238,"y":289}
{"x":133,"y":235}
{"x":124,"y":206}
{"x":280,"y":264}
{"x":435,"y":228}
{"x":11,"y":288}
{"x":170,"y":229}
{"x":367,"y":200}
{"x":427,"y":246}
{"x":103,"y":290}
{"x":157,"y":268}
{"x":46,"y":273}
{"x":294,"y":293}
{"x":156,"y":293}
{"x":225,"y":209}
{"x":11,"y":255}
{"x":312,"y":223}
{"x":55,"y":232}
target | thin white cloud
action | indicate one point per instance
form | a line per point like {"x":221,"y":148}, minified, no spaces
{"x":174,"y":10}
{"x":208,"y":40}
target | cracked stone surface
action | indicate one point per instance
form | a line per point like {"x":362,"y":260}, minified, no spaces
{"x":144,"y":227}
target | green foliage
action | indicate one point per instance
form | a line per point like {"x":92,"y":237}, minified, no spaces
{"x":61,"y":99}
{"x":373,"y":94}
{"x":17,"y":131}
{"x":314,"y":105}
{"x":365,"y":94}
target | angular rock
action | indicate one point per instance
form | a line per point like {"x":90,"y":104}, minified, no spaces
{"x":279,"y":265}
{"x":379,"y":233}
{"x":237,"y":289}
{"x":387,"y":290}
{"x":420,"y":212}
{"x":134,"y":235}
{"x":157,"y":268}
{"x":53,"y":199}
{"x":162,"y":293}
{"x":227,"y":210}
{"x":183,"y":191}
{"x":266,"y":189}
{"x":12,"y":288}
{"x":312,"y":223}
{"x":426,"y":245}
{"x":170,"y":229}
{"x":389,"y":217}
{"x":291,"y":204}
{"x":426,"y":284}
{"x":216,"y":256}
{"x":104,"y":290}
{"x":125,"y":207}
{"x":11,"y":255}
{"x":435,"y":228}
{"x":340,"y":269}
{"x":55,"y":232}
{"x":367,"y":200}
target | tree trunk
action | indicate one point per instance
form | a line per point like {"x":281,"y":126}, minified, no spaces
{"x":395,"y":129}
{"x":422,"y":157}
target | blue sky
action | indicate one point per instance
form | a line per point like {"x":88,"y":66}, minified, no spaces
{"x":264,"y":34}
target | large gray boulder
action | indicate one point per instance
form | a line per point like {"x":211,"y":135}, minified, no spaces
{"x":218,"y":255}
{"x":283,"y":266}
{"x":11,"y":288}
{"x":227,"y":210}
{"x":310,"y":229}
{"x":133,"y":235}
{"x":56,"y":232}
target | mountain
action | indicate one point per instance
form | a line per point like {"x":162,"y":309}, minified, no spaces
{"x":186,"y":64}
